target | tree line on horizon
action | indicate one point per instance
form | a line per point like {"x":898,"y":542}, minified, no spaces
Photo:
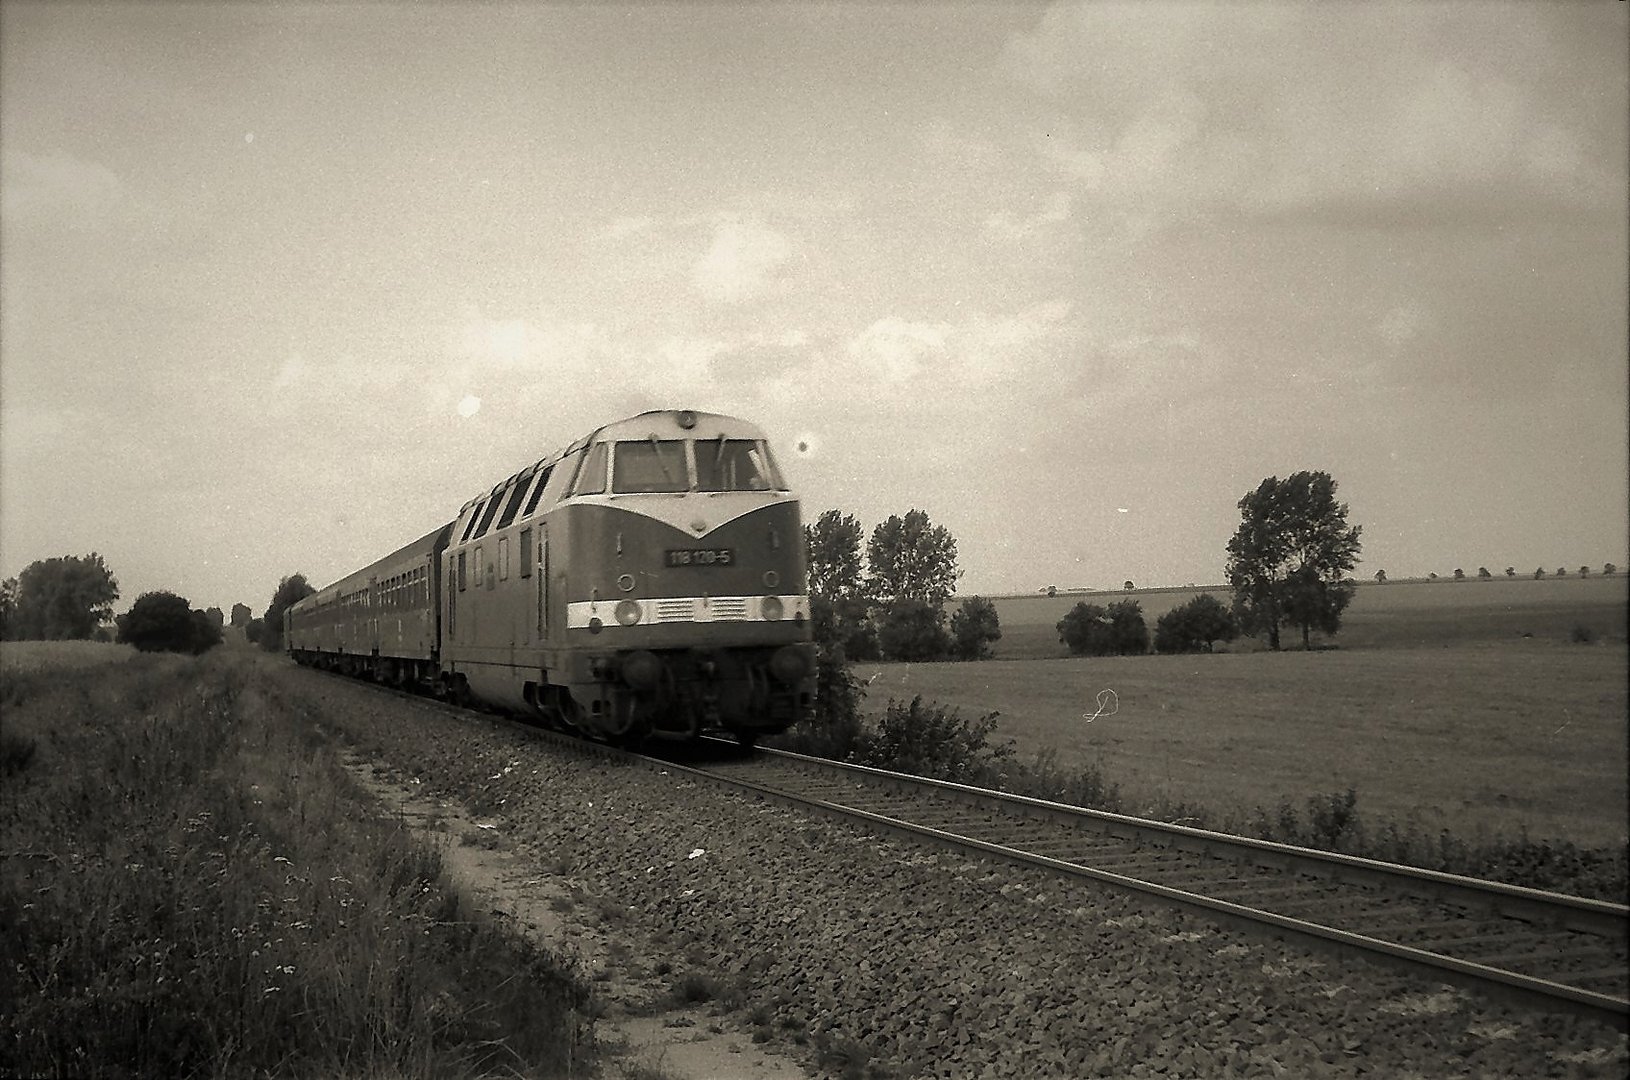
{"x":71,"y":598}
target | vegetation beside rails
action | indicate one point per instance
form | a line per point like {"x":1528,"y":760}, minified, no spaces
{"x":192,"y":885}
{"x":932,"y":740}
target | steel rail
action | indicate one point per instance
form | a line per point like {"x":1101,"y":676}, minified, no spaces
{"x":1595,"y":917}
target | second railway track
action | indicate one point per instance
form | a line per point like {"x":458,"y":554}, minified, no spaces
{"x":1548,"y":950}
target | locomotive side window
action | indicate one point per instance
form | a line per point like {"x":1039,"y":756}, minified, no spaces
{"x":514,"y":503}
{"x":526,"y":549}
{"x":486,"y":518}
{"x":591,"y":475}
{"x":649,"y":465}
{"x":461,"y":571}
{"x":503,"y":558}
{"x":537,"y":492}
{"x":734,"y":465}
{"x":474,"y":514}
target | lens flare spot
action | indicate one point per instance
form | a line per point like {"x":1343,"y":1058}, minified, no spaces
{"x":469,"y":406}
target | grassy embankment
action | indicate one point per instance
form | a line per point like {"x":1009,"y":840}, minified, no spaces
{"x":1435,"y":732}
{"x":193,"y":886}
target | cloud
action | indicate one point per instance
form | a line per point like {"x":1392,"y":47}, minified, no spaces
{"x":740,"y":261}
{"x":57,"y":186}
{"x":1348,"y":113}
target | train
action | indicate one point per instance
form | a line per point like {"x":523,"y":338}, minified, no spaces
{"x":648,"y":579}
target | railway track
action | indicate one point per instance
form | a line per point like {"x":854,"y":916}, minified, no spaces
{"x":1542,"y":949}
{"x":1537,"y":948}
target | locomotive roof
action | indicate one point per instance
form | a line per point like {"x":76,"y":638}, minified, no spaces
{"x":664,"y":423}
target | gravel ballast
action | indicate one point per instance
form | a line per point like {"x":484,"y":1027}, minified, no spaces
{"x":920,"y":962}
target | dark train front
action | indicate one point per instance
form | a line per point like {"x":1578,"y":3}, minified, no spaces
{"x":652,"y":583}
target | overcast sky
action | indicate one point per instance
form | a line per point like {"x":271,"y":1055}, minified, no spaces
{"x":282,"y":286}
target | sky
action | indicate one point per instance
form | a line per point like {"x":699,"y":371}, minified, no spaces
{"x":281,"y":286}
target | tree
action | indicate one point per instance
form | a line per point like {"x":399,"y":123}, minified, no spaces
{"x":1090,"y":630}
{"x":974,"y":626}
{"x":1288,"y":560}
{"x":1511,"y":571}
{"x":1194,"y":626}
{"x":1129,"y":587}
{"x":1460,"y":575}
{"x":1380,"y":577}
{"x":1609,"y":569}
{"x":1432,"y":576}
{"x":253,"y":630}
{"x":164,"y":622}
{"x":838,"y":607}
{"x":1584,"y":571}
{"x":911,"y":557}
{"x":1483,"y":573}
{"x":913,"y":630}
{"x":1539,"y":572}
{"x":241,"y":614}
{"x":1562,"y":571}
{"x":67,"y":597}
{"x":8,"y":608}
{"x":216,"y":617}
{"x":290,"y":591}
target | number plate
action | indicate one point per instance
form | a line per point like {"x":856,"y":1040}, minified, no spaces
{"x":701,"y":556}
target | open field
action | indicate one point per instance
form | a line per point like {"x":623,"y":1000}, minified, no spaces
{"x":20,"y":656}
{"x":1398,"y":614}
{"x":1476,"y":738}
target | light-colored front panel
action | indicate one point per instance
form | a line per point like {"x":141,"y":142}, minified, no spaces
{"x":667,"y":610}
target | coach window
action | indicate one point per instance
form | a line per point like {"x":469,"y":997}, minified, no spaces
{"x":461,"y":571}
{"x":503,"y":558}
{"x":591,"y":477}
{"x":649,"y":465}
{"x":526,"y":550}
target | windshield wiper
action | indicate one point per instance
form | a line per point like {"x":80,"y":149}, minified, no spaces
{"x":656,"y":448}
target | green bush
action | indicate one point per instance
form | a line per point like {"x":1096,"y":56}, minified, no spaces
{"x":931,"y":740}
{"x":913,"y":630}
{"x":1195,"y":626}
{"x":974,"y":628}
{"x":1119,"y":630}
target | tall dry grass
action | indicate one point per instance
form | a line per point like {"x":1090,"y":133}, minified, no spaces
{"x":193,"y":886}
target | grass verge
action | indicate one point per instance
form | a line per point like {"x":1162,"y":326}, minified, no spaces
{"x":931,"y":740}
{"x":193,"y":886}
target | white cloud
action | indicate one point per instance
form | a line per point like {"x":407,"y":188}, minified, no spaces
{"x":1172,"y":110}
{"x":56,"y":185}
{"x":740,"y":261}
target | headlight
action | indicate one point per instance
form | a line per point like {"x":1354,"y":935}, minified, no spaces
{"x":628,"y":612}
{"x":771,"y":607}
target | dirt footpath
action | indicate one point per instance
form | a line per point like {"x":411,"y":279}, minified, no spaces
{"x":645,"y":1032}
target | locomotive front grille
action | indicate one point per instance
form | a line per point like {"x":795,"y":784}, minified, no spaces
{"x":675,"y":609}
{"x":672,"y":610}
{"x":726,"y":607}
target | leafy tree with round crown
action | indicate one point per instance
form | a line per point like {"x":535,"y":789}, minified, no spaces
{"x":1289,"y":558}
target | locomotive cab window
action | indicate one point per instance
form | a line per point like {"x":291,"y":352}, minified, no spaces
{"x":735,"y":465}
{"x":649,"y":465}
{"x":591,"y":475}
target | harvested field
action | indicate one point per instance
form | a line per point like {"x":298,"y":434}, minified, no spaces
{"x":1398,"y":614}
{"x":1475,"y":738}
{"x":20,"y":656}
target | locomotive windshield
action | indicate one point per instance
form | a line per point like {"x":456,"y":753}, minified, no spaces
{"x":734,"y":465}
{"x":649,"y":465}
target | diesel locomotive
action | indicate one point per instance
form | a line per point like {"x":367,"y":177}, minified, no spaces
{"x":648,"y":579}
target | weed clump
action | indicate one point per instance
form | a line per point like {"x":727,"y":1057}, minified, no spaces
{"x":193,"y":885}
